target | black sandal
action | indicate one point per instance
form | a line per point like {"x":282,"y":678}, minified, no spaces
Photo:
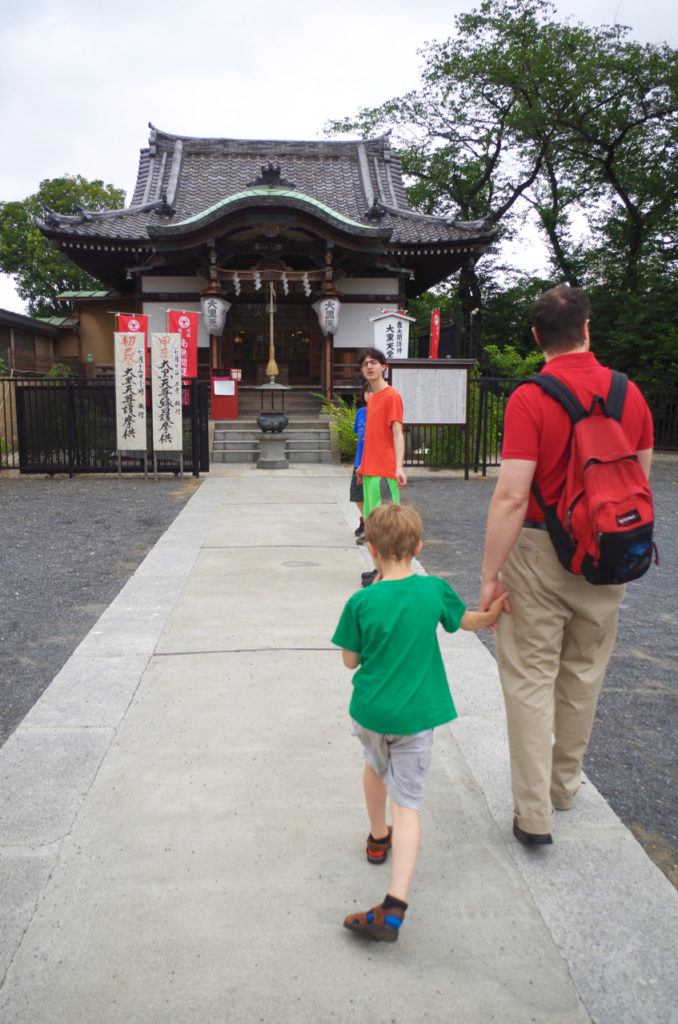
{"x":377,"y":849}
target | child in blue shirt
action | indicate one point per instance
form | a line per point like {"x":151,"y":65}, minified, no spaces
{"x":356,"y":489}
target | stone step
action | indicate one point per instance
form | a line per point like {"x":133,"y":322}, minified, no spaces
{"x":242,"y":437}
{"x":248,"y":447}
{"x":310,"y":436}
{"x":307,"y":439}
{"x":302,"y":445}
{"x":295,"y":423}
{"x":234,"y":457}
{"x":250,"y":401}
{"x":326,"y":457}
{"x":234,"y":435}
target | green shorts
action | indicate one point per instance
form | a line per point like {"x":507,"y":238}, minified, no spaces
{"x":372,"y":492}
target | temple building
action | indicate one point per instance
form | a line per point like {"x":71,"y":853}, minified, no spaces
{"x":300,"y":241}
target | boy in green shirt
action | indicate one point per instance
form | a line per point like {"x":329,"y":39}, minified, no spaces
{"x":400,"y":694}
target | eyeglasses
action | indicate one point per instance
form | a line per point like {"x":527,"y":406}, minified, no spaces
{"x":370,"y":362}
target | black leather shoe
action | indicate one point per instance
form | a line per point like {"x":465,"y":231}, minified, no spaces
{"x":530,"y":838}
{"x":368,"y":578}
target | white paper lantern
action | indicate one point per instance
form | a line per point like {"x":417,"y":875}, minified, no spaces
{"x":214,"y":309}
{"x":328,"y":310}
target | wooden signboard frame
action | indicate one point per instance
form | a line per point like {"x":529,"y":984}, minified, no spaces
{"x":435,"y":392}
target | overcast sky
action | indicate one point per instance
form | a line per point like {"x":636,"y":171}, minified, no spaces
{"x":80,"y":81}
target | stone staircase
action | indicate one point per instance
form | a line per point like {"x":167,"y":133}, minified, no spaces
{"x":295,"y":401}
{"x":307,"y":439}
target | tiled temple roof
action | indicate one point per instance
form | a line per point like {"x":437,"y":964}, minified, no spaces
{"x":359,"y":183}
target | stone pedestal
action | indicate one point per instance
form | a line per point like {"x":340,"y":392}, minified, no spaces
{"x":272,"y":452}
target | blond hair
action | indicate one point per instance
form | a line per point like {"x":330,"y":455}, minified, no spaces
{"x":395,"y":530}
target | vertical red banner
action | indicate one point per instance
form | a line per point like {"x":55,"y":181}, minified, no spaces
{"x":135,"y":323}
{"x":185,"y":324}
{"x":435,"y":333}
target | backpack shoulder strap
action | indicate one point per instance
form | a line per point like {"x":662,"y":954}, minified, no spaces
{"x":561,"y":393}
{"x":616,"y":395}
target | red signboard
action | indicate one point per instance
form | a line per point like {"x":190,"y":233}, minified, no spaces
{"x":185,"y":324}
{"x":135,"y":323}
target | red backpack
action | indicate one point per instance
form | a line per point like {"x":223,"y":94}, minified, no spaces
{"x":601,"y":526}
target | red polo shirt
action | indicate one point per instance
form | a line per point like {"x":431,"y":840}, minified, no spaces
{"x":538,"y":429}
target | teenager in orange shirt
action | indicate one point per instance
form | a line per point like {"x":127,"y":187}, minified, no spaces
{"x":384,"y":449}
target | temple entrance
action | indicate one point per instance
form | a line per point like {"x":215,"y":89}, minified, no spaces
{"x":298,"y":343}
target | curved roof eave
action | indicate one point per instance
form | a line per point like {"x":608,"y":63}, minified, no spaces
{"x":268,"y":197}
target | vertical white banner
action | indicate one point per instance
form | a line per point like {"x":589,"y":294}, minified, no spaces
{"x":130,"y":391}
{"x":166,"y":392}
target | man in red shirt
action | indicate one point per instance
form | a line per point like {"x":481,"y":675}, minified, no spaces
{"x":553,"y":649}
{"x":384,"y":448}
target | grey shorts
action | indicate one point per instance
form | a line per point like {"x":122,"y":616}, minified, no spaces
{"x":356,"y":490}
{"x":403,"y":760}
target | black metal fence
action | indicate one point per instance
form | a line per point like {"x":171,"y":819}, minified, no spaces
{"x":492,"y":394}
{"x":437,"y":446}
{"x":68,"y":426}
{"x":664,"y":405}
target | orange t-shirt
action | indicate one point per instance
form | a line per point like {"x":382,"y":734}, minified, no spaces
{"x":384,"y":408}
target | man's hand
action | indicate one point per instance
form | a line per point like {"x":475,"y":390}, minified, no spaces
{"x":401,"y":478}
{"x":505,"y":519}
{"x":491,"y":592}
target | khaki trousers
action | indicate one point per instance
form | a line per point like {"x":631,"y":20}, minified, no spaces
{"x":552,"y":652}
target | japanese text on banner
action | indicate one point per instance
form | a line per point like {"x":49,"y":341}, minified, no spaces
{"x":166,"y":392}
{"x":135,"y":323}
{"x":130,"y":391}
{"x":185,"y":324}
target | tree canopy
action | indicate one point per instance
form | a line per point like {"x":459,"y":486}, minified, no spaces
{"x":41,"y":273}
{"x":521,"y":116}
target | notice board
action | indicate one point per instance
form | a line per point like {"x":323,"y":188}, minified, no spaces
{"x":434,"y":392}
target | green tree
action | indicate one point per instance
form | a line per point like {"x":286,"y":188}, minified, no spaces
{"x":421,"y":309}
{"x":637,"y":332}
{"x":41,"y":273}
{"x":520,"y":113}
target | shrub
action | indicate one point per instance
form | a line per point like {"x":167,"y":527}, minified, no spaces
{"x":508,"y":362}
{"x":341,"y":415}
{"x":58,"y":371}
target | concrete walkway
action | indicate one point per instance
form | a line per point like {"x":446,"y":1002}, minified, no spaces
{"x":182,"y":828}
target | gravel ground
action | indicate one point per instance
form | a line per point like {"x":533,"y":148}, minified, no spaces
{"x":65,"y":557}
{"x":633,"y":755}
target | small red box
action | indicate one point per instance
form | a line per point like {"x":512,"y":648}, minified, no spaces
{"x":224,"y":403}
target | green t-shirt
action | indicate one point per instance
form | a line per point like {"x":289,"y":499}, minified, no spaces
{"x":400,"y":686}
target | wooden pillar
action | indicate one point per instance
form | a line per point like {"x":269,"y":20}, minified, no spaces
{"x":328,"y":365}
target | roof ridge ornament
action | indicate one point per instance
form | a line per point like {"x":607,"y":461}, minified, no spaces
{"x":270,"y":178}
{"x":163,"y":207}
{"x":376,"y":211}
